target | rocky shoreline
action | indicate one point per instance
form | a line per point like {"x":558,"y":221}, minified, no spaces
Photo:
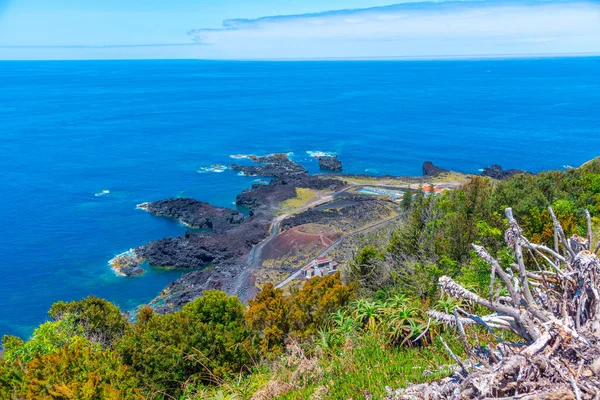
{"x":195,"y":214}
{"x":219,"y":256}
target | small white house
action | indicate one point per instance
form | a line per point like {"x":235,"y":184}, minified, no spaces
{"x":322,"y":266}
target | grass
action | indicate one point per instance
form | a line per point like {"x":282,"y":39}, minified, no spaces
{"x":265,"y":275}
{"x":303,"y":196}
{"x":368,"y":366}
{"x":366,"y":180}
{"x":365,"y":364}
{"x":406,"y":182}
{"x":452,"y":177}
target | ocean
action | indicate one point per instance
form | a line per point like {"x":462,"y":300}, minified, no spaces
{"x":83,"y":142}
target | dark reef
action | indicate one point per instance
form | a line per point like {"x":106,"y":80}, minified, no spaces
{"x":275,"y":165}
{"x":430,"y":170}
{"x":196,"y":214}
{"x":330,"y":163}
{"x":496,"y":172}
{"x":196,"y":250}
{"x":228,"y":247}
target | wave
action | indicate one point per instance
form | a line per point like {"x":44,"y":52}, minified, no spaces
{"x":102,"y":193}
{"x":124,"y":260}
{"x":240,"y":156}
{"x":319,"y":154}
{"x":143,"y":206}
{"x":213,"y":168}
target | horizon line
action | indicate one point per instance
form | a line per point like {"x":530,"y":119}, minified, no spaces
{"x":444,"y":57}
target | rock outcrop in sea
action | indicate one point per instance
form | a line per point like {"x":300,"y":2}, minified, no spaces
{"x":496,"y":172}
{"x":430,"y":170}
{"x":226,"y":249}
{"x":195,"y":214}
{"x":330,"y":163}
{"x":275,"y":165}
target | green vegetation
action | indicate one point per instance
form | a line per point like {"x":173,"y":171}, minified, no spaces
{"x":303,"y":196}
{"x":326,"y":339}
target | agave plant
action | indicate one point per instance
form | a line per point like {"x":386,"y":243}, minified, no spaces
{"x":396,"y":301}
{"x":220,"y":395}
{"x":404,"y":323}
{"x":447,"y":304}
{"x":343,"y":323}
{"x":367,"y":313}
{"x":326,"y":340}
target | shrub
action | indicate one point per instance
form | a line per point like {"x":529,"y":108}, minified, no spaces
{"x":75,"y":372}
{"x":268,"y":316}
{"x":206,"y":341}
{"x":100,"y":320}
{"x":314,"y":303}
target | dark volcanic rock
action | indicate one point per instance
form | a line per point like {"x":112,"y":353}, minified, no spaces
{"x":196,"y":214}
{"x":355,"y":208}
{"x":196,"y":250}
{"x":279,"y":190}
{"x":229,"y":245}
{"x":131,"y":271}
{"x":276,"y":165}
{"x":496,"y":172}
{"x":330,"y":163}
{"x":431,"y":170}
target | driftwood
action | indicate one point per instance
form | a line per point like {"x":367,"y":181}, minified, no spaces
{"x":553,"y":307}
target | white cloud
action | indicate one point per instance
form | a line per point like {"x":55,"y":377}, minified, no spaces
{"x":413,"y":30}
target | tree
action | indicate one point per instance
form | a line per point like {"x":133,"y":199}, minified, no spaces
{"x":268,"y":316}
{"x":101,"y":321}
{"x":207,"y":341}
{"x":75,"y":372}
{"x":316,"y":301}
{"x":407,"y":200}
{"x":368,"y":269}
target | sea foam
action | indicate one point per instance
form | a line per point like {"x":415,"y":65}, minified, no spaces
{"x":102,"y":193}
{"x":319,"y":154}
{"x":213,"y":168}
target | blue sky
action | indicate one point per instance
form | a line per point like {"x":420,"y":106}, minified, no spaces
{"x":292,"y":29}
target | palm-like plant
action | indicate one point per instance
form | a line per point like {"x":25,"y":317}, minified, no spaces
{"x":367,"y":313}
{"x":396,"y":301}
{"x":404,"y":323}
{"x":342,"y":323}
{"x":447,"y":304}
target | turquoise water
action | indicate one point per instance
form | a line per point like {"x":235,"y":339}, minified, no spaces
{"x":142,"y":129}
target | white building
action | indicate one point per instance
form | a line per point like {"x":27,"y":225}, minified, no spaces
{"x":322,"y":266}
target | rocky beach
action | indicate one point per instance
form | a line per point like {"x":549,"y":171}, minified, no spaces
{"x":219,"y":249}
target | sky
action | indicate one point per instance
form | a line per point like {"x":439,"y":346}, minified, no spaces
{"x":293,"y":29}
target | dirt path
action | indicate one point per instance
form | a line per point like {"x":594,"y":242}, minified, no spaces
{"x":333,"y":246}
{"x":243,"y":285}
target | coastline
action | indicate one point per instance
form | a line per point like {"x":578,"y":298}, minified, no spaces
{"x":235,"y":271}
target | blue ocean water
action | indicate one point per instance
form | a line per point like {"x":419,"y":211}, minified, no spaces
{"x":141,"y":129}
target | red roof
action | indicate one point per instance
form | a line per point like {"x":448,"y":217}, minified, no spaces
{"x":309,"y":265}
{"x":427,"y":189}
{"x":323,"y":260}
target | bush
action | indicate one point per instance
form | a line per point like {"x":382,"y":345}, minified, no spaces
{"x":317,"y":299}
{"x":48,"y":338}
{"x":75,"y":372}
{"x":206,"y":341}
{"x":100,"y":320}
{"x":268,"y":316}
